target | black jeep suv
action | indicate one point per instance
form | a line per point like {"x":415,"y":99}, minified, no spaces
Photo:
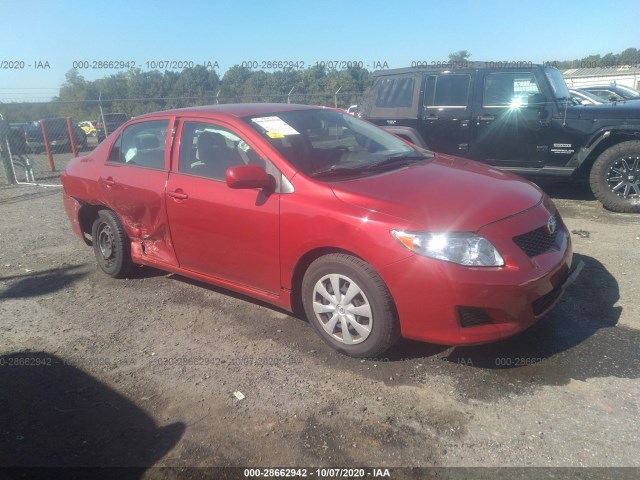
{"x":111,"y":122}
{"x":515,"y":117}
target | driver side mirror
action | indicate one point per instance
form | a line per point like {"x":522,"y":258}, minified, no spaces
{"x":248,"y":176}
{"x":536,"y":100}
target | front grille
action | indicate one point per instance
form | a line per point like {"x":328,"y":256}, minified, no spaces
{"x":542,"y":304}
{"x":536,"y":241}
{"x":473,"y":316}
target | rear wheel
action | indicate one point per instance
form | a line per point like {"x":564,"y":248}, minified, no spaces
{"x":349,"y":305}
{"x":615,"y":177}
{"x":111,"y":245}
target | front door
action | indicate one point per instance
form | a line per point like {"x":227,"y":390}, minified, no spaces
{"x":506,"y":132}
{"x":217,"y":231}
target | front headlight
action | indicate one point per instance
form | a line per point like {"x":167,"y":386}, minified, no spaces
{"x":462,"y":248}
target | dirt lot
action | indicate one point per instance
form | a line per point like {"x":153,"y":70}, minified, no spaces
{"x":142,"y":371}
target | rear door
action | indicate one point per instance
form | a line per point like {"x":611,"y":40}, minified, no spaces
{"x":446,"y":114}
{"x":506,"y":132}
{"x":132,"y":182}
{"x":217,"y":231}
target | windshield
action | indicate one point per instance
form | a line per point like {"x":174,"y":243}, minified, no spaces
{"x":560,"y":89}
{"x":326,"y":143}
{"x":628,"y":93}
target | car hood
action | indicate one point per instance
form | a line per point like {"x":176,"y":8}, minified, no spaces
{"x":445,"y":193}
{"x":630,"y":109}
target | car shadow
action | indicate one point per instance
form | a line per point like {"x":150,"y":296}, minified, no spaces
{"x":566,"y":190}
{"x":232,"y":294}
{"x":579,"y":339}
{"x":139,"y":272}
{"x":56,"y":415}
{"x":34,"y":284}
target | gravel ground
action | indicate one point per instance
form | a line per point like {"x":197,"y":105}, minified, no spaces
{"x":142,"y":371}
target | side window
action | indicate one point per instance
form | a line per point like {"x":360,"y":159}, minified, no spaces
{"x":447,"y":91}
{"x":508,"y":89}
{"x":208,"y":150}
{"x":395,"y":92}
{"x":142,"y":144}
{"x":115,"y":154}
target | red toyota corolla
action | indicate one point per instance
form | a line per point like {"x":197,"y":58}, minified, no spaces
{"x":311,"y":208}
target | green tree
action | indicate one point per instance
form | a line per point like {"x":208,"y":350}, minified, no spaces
{"x":459,"y":56}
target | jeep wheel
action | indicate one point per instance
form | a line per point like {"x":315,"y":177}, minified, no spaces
{"x":615,"y":177}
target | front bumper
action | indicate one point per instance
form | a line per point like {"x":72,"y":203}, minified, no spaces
{"x":430,"y":294}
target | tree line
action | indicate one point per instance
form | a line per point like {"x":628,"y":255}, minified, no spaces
{"x":630,"y":56}
{"x":136,"y":91}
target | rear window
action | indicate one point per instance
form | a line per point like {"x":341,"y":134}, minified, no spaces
{"x":395,"y":92}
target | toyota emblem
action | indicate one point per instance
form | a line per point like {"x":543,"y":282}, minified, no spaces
{"x":552,"y":224}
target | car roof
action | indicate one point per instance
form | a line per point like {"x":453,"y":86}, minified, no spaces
{"x":234,"y":109}
{"x":599,"y":87}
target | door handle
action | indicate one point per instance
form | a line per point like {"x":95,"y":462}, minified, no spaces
{"x":109,"y":182}
{"x":178,"y":195}
{"x":486,"y":118}
{"x":431,"y":117}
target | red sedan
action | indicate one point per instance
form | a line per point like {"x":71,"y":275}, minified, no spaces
{"x":312,"y":209}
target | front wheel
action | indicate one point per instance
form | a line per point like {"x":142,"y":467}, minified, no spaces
{"x":615,"y":177}
{"x":349,"y":305}
{"x":111,"y":245}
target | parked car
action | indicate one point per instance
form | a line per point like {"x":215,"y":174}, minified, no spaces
{"x":353,"y":110}
{"x":32,"y":136}
{"x":111,"y":122}
{"x":518,"y":118}
{"x":88,"y":128}
{"x":312,"y":209}
{"x":17,"y":140}
{"x":57,"y":135}
{"x":582,"y":97}
{"x":614,"y":93}
{"x":21,"y":129}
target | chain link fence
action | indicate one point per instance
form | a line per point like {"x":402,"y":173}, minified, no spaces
{"x":42,"y":137}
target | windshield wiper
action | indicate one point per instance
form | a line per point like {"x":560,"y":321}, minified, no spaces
{"x":385,"y":163}
{"x":332,"y":169}
{"x":394,"y":160}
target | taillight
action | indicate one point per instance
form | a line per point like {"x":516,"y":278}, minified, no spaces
{"x":26,"y":135}
{"x":99,"y":125}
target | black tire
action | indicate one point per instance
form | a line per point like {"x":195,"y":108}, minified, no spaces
{"x":374,"y":296}
{"x":111,"y":245}
{"x":623,"y":157}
